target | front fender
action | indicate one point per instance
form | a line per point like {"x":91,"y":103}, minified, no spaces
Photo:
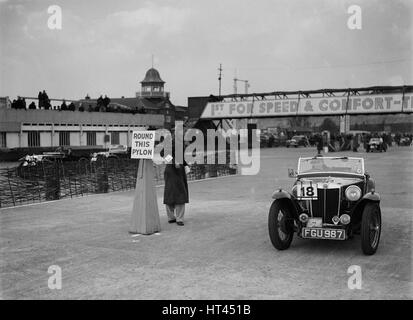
{"x":281,"y":194}
{"x":290,"y":200}
{"x":372,"y":196}
{"x":358,"y":209}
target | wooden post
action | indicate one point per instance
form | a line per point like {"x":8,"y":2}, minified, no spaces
{"x":145,"y":214}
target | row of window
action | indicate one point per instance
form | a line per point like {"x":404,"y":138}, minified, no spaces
{"x":33,"y":138}
{"x":153,"y":89}
{"x":76,"y":125}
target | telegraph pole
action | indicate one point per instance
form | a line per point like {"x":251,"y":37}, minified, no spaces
{"x":235,"y":81}
{"x":220,"y":77}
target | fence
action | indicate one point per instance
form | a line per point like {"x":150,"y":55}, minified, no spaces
{"x":57,"y":180}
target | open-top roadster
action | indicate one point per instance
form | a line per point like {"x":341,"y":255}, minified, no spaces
{"x":332,"y":198}
{"x":376,"y":144}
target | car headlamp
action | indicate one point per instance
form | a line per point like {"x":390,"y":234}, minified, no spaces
{"x":353,"y":193}
{"x":345,"y":219}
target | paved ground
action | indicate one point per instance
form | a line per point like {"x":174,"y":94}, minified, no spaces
{"x":222,"y":252}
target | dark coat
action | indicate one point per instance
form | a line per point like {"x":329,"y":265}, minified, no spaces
{"x":176,"y":184}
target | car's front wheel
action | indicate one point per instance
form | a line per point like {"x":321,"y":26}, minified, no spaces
{"x":280,"y":225}
{"x":370,"y":228}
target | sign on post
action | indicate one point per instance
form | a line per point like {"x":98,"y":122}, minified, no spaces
{"x":143,"y":144}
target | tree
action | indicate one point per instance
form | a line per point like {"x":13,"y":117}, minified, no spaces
{"x":330,"y":125}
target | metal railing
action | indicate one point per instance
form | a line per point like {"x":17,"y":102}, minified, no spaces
{"x":63,"y":179}
{"x":153,"y":94}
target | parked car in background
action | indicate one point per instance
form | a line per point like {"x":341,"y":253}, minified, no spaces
{"x":376,"y":144}
{"x":405,"y":141}
{"x":297,"y":141}
{"x":114,"y":152}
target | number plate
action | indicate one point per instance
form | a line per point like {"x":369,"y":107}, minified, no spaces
{"x":307,"y":190}
{"x":321,"y":233}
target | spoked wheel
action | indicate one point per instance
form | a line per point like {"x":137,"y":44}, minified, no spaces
{"x":280,"y":225}
{"x":370,"y":228}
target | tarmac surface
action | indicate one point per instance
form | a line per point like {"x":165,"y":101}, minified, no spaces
{"x":222,"y":252}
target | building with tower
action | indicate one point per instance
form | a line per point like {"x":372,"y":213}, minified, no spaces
{"x":151,"y":99}
{"x":152,"y":86}
{"x":90,"y":125}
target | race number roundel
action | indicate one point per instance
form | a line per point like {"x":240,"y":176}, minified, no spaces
{"x":306,"y":190}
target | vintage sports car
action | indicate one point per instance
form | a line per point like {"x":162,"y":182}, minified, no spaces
{"x":376,"y":144}
{"x":332,"y":198}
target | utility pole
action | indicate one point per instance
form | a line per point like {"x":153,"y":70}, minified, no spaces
{"x":220,"y":77}
{"x":235,"y":81}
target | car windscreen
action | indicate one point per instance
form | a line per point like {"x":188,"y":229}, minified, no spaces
{"x":345,"y":165}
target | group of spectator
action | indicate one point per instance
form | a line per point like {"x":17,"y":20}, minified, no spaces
{"x":65,"y":107}
{"x":20,"y":103}
{"x":44,"y":101}
{"x":45,"y":104}
{"x":353,"y":142}
{"x":102,"y":104}
{"x":347,"y":142}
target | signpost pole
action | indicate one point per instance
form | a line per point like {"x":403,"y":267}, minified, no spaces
{"x":145,"y":214}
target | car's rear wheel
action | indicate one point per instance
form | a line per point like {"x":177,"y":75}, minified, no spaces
{"x":370,"y":228}
{"x":280,"y":225}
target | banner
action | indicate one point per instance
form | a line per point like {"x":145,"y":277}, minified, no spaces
{"x":363,"y":104}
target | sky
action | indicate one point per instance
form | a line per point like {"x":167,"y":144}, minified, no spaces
{"x":106,"y":46}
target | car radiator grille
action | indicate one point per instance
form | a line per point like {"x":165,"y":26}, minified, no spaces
{"x":327,"y":204}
